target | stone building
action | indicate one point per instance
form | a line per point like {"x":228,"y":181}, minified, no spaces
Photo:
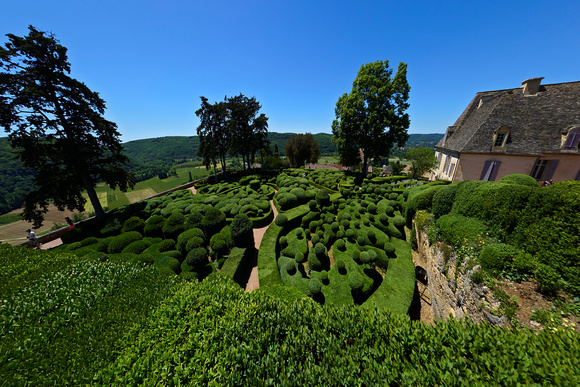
{"x":532,"y":130}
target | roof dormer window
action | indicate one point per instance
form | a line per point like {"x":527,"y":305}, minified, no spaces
{"x":571,"y":139}
{"x":500,"y":138}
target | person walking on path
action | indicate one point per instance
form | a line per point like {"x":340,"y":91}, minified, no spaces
{"x":32,"y":238}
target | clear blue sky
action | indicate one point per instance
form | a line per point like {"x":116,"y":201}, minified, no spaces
{"x":152,"y":60}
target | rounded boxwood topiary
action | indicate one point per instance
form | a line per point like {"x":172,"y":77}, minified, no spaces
{"x":355,"y":281}
{"x":300,"y":257}
{"x":218,"y":244}
{"x":174,"y":225}
{"x":194,"y":243}
{"x":389,"y":210}
{"x":340,"y":245}
{"x":314,"y":286}
{"x":520,"y":179}
{"x":313,"y":261}
{"x":213,"y":221}
{"x":290,"y":267}
{"x":137,"y":247}
{"x":361,"y":240}
{"x":349,"y":233}
{"x":242,"y":231}
{"x":340,"y":265}
{"x":399,"y":222}
{"x":324,"y":277}
{"x":133,"y":224}
{"x":315,"y":239}
{"x":281,"y":220}
{"x":168,"y":262}
{"x":389,"y":249}
{"x":166,"y":245}
{"x":322,"y":198}
{"x":154,"y":226}
{"x":197,"y":257}
{"x":121,"y":241}
{"x":283,"y":241}
{"x":89,"y":241}
{"x":194,"y":220}
{"x":319,"y":249}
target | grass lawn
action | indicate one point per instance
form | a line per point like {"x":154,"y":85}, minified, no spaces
{"x":9,"y":218}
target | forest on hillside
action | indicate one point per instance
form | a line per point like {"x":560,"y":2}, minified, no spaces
{"x":157,"y":157}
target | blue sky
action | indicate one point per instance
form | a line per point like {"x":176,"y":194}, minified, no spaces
{"x":152,"y":60}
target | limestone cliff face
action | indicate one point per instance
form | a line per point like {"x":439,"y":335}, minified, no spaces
{"x":451,"y":290}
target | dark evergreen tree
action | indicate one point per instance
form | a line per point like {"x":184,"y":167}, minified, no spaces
{"x":214,"y":134}
{"x":57,"y":126}
{"x":302,"y":149}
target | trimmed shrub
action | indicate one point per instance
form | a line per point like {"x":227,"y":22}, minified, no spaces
{"x":184,"y":237}
{"x":281,"y":220}
{"x":89,"y":241}
{"x":194,"y":220}
{"x":242,"y":231}
{"x":168,"y":262}
{"x":197,"y":258}
{"x":340,"y":245}
{"x":137,"y":247}
{"x":166,"y":245}
{"x":520,"y":179}
{"x":154,"y":226}
{"x":314,"y":286}
{"x":355,"y":281}
{"x":174,"y":226}
{"x":133,"y":224}
{"x":121,"y":241}
{"x":315,"y":239}
{"x":290,"y":267}
{"x":112,"y":227}
{"x":497,"y":256}
{"x":313,"y":261}
{"x":213,"y":221}
{"x":320,"y":249}
{"x":456,"y":229}
{"x":322,"y":198}
{"x":340,"y":265}
{"x":300,"y":257}
{"x":218,"y":244}
{"x":443,"y":200}
{"x":389,"y":249}
{"x":194,"y":243}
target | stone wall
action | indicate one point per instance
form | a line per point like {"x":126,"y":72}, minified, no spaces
{"x":454,"y":295}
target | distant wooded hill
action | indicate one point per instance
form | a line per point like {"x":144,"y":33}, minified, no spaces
{"x":154,"y":156}
{"x":178,"y":148}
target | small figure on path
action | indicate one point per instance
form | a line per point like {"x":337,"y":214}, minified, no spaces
{"x":70,"y":222}
{"x":32,"y":238}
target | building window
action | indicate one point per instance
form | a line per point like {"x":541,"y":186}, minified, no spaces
{"x":447,"y":160}
{"x":572,"y":140}
{"x":539,"y":169}
{"x":544,"y":169}
{"x":500,"y":137}
{"x":451,"y":169}
{"x":490,"y":169}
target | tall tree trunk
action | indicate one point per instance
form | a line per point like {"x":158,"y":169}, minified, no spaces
{"x":223,"y":161}
{"x":215,"y":170}
{"x":365,"y":168}
{"x":99,"y":212}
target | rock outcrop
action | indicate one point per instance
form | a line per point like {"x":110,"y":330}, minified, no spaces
{"x":451,"y":289}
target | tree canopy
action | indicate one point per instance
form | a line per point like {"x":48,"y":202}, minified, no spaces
{"x":422,"y":160}
{"x":372,"y":116}
{"x":302,"y":149}
{"x":231,"y":127}
{"x":56,"y":124}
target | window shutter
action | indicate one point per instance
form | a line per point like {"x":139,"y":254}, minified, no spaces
{"x":551,"y":169}
{"x":495,"y":170}
{"x":486,"y":170}
{"x":572,"y":140}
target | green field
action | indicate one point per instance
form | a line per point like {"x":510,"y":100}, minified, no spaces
{"x":115,"y":198}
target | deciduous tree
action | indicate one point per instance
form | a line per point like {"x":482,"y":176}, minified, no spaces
{"x":248,"y":131}
{"x":422,"y":160}
{"x":372,"y":116}
{"x":302,"y":149}
{"x":214,"y":135}
{"x":57,"y":126}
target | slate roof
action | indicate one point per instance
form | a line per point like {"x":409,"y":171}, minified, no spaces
{"x":536,"y":122}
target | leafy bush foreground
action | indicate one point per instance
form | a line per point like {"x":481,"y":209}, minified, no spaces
{"x":214,"y":333}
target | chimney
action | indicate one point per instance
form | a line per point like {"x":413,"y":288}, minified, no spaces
{"x":531,"y":86}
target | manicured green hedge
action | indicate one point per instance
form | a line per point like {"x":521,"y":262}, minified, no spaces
{"x":237,"y":263}
{"x":252,"y":338}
